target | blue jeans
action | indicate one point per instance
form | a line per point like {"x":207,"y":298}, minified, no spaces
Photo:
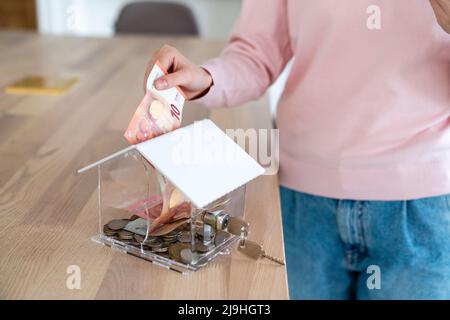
{"x":346,"y":249}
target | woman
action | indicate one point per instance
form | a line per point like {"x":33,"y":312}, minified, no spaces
{"x":364,"y":137}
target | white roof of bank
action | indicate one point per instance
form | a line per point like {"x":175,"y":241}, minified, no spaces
{"x":199,"y":159}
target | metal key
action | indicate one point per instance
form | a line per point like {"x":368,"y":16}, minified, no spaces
{"x":255,"y":251}
{"x":236,"y":226}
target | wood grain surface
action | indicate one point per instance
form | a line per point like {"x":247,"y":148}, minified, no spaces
{"x":48,"y":213}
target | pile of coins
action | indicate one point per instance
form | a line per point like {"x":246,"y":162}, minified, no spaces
{"x":169,"y":245}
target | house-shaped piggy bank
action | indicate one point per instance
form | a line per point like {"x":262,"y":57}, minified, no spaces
{"x":176,"y":200}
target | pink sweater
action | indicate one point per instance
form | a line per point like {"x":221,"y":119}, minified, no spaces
{"x":366,"y":112}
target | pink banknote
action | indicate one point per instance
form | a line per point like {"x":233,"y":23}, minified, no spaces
{"x":159,"y":112}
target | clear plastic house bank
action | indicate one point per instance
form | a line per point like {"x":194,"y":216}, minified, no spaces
{"x":176,"y":200}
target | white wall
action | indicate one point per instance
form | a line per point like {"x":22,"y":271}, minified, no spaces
{"x":97,"y":17}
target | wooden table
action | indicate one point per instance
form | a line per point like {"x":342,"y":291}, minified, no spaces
{"x":48,"y":213}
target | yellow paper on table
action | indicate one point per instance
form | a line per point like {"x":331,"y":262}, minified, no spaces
{"x":41,"y":85}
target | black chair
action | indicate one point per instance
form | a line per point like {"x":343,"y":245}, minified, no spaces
{"x":156,"y":18}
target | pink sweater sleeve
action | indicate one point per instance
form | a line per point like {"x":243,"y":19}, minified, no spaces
{"x":257,"y":51}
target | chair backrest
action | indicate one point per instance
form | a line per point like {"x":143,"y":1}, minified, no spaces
{"x":156,"y":18}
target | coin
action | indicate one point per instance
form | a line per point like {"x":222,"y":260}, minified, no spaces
{"x":115,"y":237}
{"x":186,"y":255}
{"x":154,"y":243}
{"x":160,"y":249}
{"x":184,"y":237}
{"x":169,"y":238}
{"x":139,"y":238}
{"x":172,"y":233}
{"x":108,"y":232}
{"x":169,"y":242}
{"x":149,"y":240}
{"x":125,"y":235}
{"x":175,"y":249}
{"x":199,"y":232}
{"x":203,"y":248}
{"x":134,"y":217}
{"x":117,"y":224}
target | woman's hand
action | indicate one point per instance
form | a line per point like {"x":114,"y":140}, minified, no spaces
{"x":192,"y":79}
{"x":441,"y":9}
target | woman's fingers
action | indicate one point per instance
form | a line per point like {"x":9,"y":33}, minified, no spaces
{"x":169,"y":58}
{"x":193,"y":79}
{"x":177,"y":78}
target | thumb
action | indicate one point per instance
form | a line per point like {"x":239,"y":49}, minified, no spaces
{"x":178,"y":78}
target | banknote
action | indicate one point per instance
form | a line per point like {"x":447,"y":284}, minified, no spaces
{"x":150,"y":206}
{"x":152,"y":209}
{"x":159,"y":112}
{"x":139,"y":226}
